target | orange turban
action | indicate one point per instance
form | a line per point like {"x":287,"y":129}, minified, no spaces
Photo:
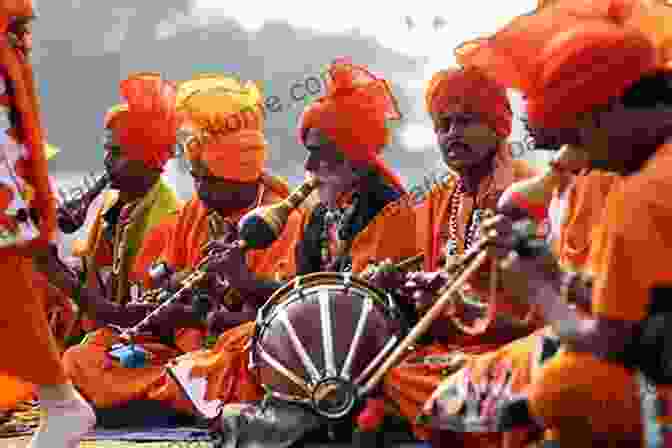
{"x":354,"y":114}
{"x":567,"y":57}
{"x":226,"y":120}
{"x":147,"y":123}
{"x":471,"y":88}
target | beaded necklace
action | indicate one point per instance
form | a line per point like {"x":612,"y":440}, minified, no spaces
{"x":472,"y":233}
{"x":128,"y":216}
{"x":218,"y":227}
{"x":332,"y":246}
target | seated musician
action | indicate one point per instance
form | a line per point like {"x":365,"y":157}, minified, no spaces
{"x":472,"y":119}
{"x":589,"y":393}
{"x":140,"y":137}
{"x":229,"y":177}
{"x":504,"y":372}
{"x":359,"y":217}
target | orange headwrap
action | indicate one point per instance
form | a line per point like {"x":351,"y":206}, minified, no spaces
{"x":226,"y":120}
{"x":470,"y":87}
{"x":147,"y":123}
{"x":567,"y":58}
{"x":354,"y":114}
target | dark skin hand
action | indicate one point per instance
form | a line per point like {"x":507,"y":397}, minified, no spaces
{"x":104,"y":311}
{"x":537,"y":279}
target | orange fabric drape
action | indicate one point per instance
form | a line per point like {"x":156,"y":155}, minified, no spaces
{"x":631,"y":260}
{"x":34,"y":169}
{"x":539,"y":53}
{"x":30,"y":353}
{"x":586,"y":204}
{"x":153,"y":245}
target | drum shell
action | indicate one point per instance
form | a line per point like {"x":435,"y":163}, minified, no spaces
{"x":306,"y":315}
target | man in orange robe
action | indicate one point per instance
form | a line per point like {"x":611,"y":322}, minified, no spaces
{"x":139,"y":201}
{"x":508,"y":371}
{"x":472,"y":119}
{"x":30,"y":354}
{"x":140,"y":205}
{"x":590,"y":394}
{"x":228,"y":170}
{"x":344,"y":132}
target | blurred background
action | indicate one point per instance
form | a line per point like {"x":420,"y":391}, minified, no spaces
{"x":82,"y":49}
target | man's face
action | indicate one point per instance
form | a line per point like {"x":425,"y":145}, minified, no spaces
{"x":126,"y":175}
{"x":216,"y":193}
{"x":326,"y":162}
{"x":619,"y":139}
{"x":464,"y":138}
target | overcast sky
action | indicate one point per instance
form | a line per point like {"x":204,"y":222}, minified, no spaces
{"x":85,"y":47}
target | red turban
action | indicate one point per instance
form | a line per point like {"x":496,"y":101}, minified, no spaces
{"x":566,"y":59}
{"x":354,"y":115}
{"x":147,"y":123}
{"x":470,"y":88}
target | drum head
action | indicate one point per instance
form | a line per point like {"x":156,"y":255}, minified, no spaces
{"x":320,"y":337}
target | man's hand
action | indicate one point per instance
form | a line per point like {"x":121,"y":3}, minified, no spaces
{"x":529,"y":277}
{"x":228,"y":261}
{"x":499,"y":231}
{"x":58,"y":273}
{"x":384,"y":275}
{"x":570,"y":159}
{"x":422,"y":288}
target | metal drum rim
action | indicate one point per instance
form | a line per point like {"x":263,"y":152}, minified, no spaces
{"x":311,"y":284}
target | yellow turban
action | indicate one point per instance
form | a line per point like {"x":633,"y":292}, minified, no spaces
{"x":226,"y":120}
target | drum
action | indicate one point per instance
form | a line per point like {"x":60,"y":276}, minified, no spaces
{"x":320,"y":337}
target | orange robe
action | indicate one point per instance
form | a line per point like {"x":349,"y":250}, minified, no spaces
{"x":225,"y":365}
{"x":403,"y":383}
{"x":29,"y":351}
{"x":585,"y":207}
{"x":59,"y":308}
{"x":150,"y":234}
{"x":578,"y":394}
{"x":106,"y":382}
{"x":583,"y":217}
